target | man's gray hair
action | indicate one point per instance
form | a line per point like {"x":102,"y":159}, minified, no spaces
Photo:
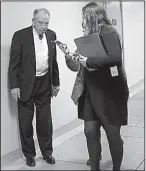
{"x":36,"y":11}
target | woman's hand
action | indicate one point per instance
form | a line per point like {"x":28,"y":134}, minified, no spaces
{"x":64,"y":48}
{"x":73,"y":56}
{"x":68,"y":54}
{"x":82,"y":60}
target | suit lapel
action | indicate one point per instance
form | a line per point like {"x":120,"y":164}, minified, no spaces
{"x":32,"y":47}
{"x":48,"y":37}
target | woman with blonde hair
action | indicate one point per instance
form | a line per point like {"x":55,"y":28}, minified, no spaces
{"x":101,"y":97}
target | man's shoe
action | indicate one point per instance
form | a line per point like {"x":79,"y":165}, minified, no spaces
{"x":30,"y":162}
{"x":49,"y":159}
{"x":88,"y":161}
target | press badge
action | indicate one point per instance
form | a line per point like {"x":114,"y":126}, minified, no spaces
{"x":114,"y":71}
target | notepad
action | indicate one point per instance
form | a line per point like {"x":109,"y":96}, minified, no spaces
{"x":95,"y":45}
{"x":90,"y":46}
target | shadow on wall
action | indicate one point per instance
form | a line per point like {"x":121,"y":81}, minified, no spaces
{"x":12,"y":104}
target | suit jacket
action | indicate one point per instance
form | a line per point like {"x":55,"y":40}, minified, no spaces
{"x":108,"y":94}
{"x":22,"y":65}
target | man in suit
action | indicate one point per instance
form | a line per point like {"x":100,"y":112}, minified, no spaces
{"x":34,"y":78}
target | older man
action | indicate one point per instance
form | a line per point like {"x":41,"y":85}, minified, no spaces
{"x":34,"y":78}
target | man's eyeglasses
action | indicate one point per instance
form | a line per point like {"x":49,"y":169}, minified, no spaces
{"x":41,"y":23}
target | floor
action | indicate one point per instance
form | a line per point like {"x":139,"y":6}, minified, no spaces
{"x":72,"y":154}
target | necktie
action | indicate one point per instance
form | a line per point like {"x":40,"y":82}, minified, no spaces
{"x":40,"y":36}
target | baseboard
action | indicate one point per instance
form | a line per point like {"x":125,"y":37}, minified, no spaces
{"x":10,"y":158}
{"x":136,"y":88}
{"x":59,"y":136}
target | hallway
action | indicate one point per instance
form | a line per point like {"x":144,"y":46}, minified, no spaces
{"x":71,"y":152}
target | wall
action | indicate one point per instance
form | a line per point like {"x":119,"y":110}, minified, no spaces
{"x":113,"y":11}
{"x":65,"y":20}
{"x":133,"y":27}
{"x":133,"y":36}
{"x":17,"y":15}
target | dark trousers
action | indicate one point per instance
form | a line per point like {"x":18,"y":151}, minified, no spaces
{"x":40,"y":98}
{"x":92,"y":132}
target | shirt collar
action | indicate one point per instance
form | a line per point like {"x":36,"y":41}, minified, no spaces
{"x":35,"y":32}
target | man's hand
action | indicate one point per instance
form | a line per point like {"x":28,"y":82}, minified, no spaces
{"x":15,"y":93}
{"x":82,"y":60}
{"x":55,"y":91}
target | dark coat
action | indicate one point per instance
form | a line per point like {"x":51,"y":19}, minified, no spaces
{"x":22,"y":65}
{"x":108,"y":95}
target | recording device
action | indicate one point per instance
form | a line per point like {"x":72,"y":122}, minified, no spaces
{"x":65,"y":50}
{"x":62,"y":46}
